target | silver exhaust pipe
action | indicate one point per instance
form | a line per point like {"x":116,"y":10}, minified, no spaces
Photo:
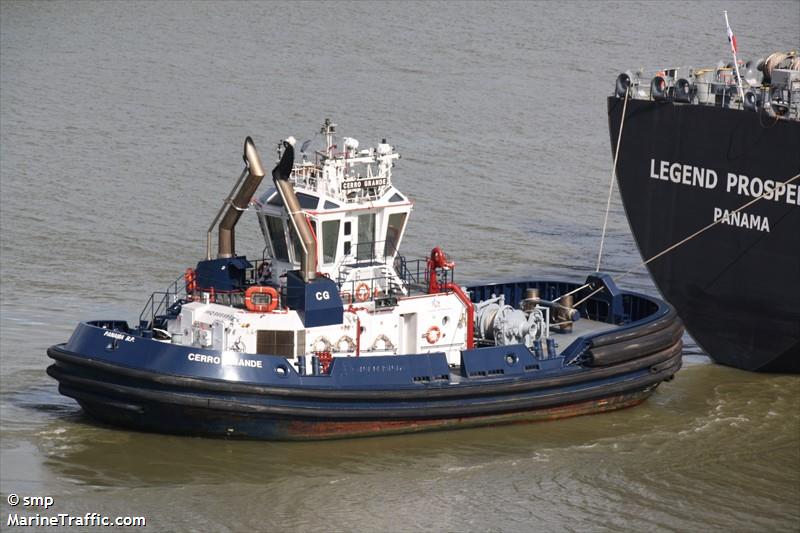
{"x":227,"y":237}
{"x":280,"y":176}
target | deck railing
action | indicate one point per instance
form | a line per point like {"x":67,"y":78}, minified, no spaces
{"x":160,"y":301}
{"x":414,"y":274}
{"x":718,"y":87}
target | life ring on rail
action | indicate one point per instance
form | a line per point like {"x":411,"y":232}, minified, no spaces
{"x":190,"y":277}
{"x":271,"y":299}
{"x":433,"y":335}
{"x":362,"y":292}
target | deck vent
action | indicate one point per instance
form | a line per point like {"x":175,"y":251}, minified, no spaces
{"x":271,"y":342}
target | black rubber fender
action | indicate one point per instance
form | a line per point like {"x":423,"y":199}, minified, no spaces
{"x":615,"y":337}
{"x":639,"y":347}
{"x":501,"y":404}
{"x":91,"y":375}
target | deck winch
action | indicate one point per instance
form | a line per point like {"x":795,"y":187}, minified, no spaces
{"x":503,"y":325}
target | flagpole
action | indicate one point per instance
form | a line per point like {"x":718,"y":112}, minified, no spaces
{"x":731,"y":38}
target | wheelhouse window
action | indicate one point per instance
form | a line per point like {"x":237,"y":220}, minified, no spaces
{"x":365,"y":249}
{"x":277,"y":237}
{"x":393,"y":232}
{"x":330,"y":240}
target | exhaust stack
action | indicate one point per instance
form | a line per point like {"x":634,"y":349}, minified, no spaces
{"x":280,"y":175}
{"x":227,"y":238}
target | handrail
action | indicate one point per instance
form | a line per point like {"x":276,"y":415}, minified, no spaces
{"x":706,"y":91}
{"x":168,"y":297}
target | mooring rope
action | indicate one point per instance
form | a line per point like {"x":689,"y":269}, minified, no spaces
{"x":708,"y":227}
{"x":611,"y":182}
{"x":676,"y":245}
{"x":572,"y":291}
{"x":579,"y":302}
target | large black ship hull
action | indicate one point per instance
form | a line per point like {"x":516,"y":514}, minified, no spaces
{"x":737,"y":285}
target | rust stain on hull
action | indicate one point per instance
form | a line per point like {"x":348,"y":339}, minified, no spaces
{"x":316,"y":430}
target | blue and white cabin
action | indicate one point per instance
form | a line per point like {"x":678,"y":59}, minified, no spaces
{"x":373,"y":302}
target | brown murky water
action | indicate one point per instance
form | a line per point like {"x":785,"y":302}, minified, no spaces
{"x":122,"y":126}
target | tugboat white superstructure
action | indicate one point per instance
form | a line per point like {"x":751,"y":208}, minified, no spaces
{"x":334,"y":224}
{"x":333,"y":333}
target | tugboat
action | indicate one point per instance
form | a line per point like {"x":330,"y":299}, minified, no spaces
{"x":332,"y":333}
{"x":714,"y":162}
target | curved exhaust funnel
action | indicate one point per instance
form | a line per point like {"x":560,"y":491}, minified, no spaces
{"x":227,"y":238}
{"x":280,"y":175}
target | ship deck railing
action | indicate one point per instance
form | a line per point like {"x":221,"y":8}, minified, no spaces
{"x":721,"y":91}
{"x":396,"y":276}
{"x":160,"y":302}
{"x":414,"y":274}
{"x":309,"y":176}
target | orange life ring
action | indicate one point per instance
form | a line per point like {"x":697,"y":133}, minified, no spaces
{"x":433,"y":335}
{"x":268,"y":307}
{"x":362,"y":292}
{"x":190,"y":277}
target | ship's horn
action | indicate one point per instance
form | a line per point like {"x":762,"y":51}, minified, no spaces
{"x":280,"y":175}
{"x":227,"y":238}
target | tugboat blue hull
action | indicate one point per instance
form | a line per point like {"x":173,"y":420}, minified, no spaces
{"x":125,"y":379}
{"x":182,"y":420}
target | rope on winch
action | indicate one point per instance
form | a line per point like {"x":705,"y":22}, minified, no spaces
{"x":611,"y":183}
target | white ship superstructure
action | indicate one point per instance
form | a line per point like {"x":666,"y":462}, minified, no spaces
{"x":357,"y":218}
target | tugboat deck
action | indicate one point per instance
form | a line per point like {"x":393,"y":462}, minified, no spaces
{"x":580,"y":328}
